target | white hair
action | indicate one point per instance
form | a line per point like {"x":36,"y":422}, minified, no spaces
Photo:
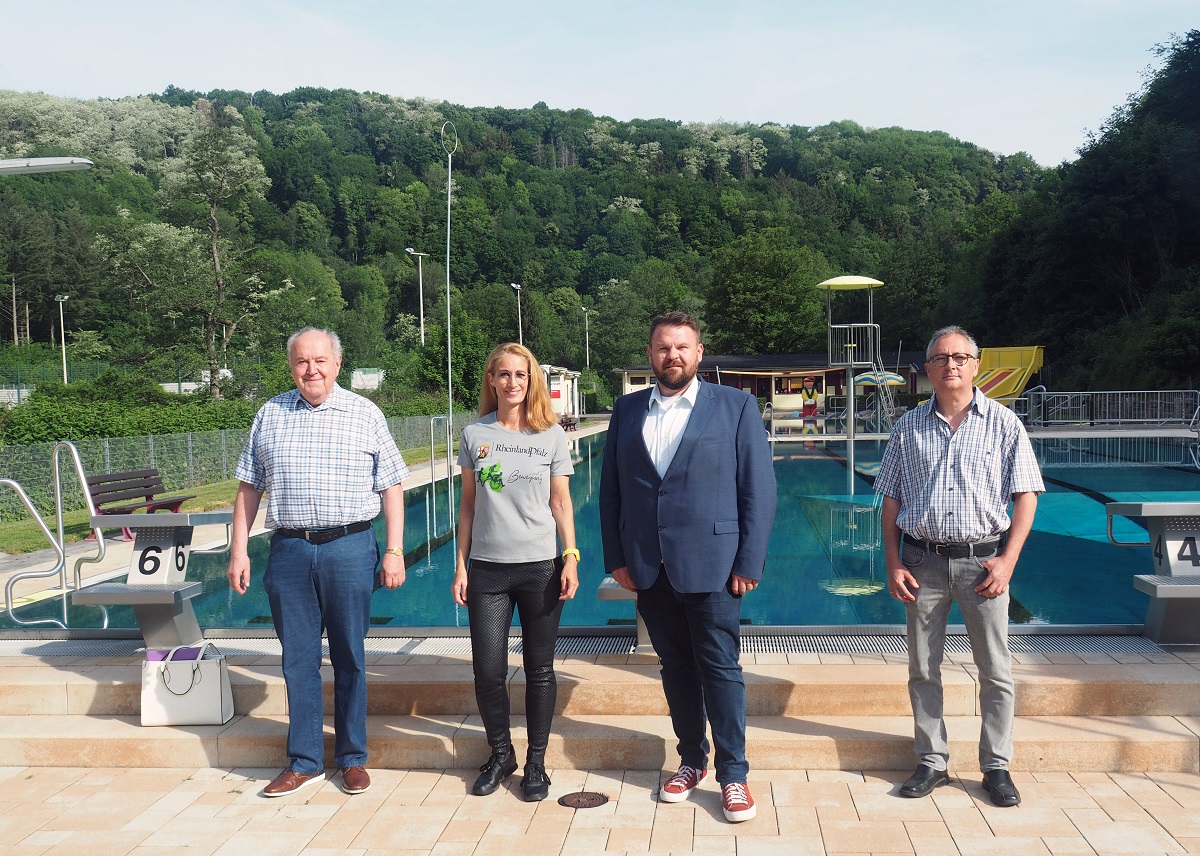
{"x":335,"y":343}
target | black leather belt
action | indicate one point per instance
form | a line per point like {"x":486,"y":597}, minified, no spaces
{"x":324,"y":536}
{"x":966,"y":550}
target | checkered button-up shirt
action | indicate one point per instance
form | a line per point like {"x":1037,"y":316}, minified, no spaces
{"x":320,"y":466}
{"x":955,"y":486}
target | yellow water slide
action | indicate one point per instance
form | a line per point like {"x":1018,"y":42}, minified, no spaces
{"x":1005,"y":372}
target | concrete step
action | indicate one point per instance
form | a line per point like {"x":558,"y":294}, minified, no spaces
{"x":590,"y":689}
{"x":635,"y":742}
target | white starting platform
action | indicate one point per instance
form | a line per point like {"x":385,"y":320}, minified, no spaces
{"x":609,"y":589}
{"x":1173,"y":616}
{"x":156,"y":586}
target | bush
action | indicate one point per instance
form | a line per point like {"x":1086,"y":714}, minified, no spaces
{"x":46,"y":419}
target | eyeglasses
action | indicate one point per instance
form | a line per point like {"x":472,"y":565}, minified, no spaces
{"x":942,"y":359}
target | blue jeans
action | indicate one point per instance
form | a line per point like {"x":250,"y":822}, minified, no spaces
{"x":944,"y":580}
{"x":312,"y":587}
{"x":698,"y":640}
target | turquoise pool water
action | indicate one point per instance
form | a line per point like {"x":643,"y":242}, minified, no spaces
{"x":825,"y":566}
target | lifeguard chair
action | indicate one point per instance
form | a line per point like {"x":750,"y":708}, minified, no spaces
{"x":856,"y":347}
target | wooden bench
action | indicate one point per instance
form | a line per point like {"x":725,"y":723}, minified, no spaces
{"x":568,"y":423}
{"x":110,"y":493}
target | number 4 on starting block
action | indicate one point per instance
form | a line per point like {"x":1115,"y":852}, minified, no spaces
{"x":160,"y":555}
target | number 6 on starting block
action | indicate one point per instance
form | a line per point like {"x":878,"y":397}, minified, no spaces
{"x":160,"y":555}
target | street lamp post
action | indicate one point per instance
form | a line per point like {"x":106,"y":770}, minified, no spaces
{"x":62,"y":328}
{"x":420,"y":287}
{"x":587,"y":341}
{"x":520,"y":329}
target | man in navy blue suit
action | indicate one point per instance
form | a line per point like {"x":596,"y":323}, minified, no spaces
{"x":687,"y":500}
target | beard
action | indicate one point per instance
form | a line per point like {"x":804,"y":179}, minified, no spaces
{"x":686,"y":373}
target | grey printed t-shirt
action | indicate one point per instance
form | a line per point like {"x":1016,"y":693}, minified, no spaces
{"x":512,"y":471}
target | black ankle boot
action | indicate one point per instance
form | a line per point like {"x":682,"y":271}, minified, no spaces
{"x":536,"y":784}
{"x":499,"y":767}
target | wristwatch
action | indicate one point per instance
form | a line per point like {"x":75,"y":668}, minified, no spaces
{"x":395,"y":551}
{"x":571,"y":552}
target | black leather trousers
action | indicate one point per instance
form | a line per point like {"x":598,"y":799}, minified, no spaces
{"x":493,"y":590}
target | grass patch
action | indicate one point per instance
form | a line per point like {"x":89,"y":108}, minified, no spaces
{"x":24,"y":536}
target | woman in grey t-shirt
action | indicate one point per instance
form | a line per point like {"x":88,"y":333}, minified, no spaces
{"x":515,"y":500}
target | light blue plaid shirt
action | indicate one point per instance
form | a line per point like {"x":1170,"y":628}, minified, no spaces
{"x":320,"y":466}
{"x":956,"y":486}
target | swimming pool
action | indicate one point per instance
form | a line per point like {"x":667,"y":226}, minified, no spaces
{"x":825,"y":565}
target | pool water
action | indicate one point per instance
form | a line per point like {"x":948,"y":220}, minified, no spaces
{"x":825,"y":564}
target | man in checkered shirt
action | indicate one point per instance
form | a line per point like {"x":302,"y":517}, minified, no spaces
{"x":328,"y":464}
{"x":951,"y":467}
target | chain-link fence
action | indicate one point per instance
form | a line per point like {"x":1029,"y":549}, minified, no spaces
{"x":183,"y":460}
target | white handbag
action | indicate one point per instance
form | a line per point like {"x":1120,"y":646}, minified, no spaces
{"x":191,"y":691}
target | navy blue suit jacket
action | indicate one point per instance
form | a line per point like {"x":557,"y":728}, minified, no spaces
{"x":710,"y":517}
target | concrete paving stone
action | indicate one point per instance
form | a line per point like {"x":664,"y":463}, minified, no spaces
{"x":278,"y":842}
{"x":593,"y":839}
{"x":669,"y":835}
{"x":934,"y":847}
{"x":725,"y":844}
{"x":1056,"y":794}
{"x":965,"y":822}
{"x":794,"y":845}
{"x":629,"y":838}
{"x":184,"y":832}
{"x":865,"y":836}
{"x":1179,"y":822}
{"x":1027,"y":819}
{"x":1184,"y":788}
{"x":107,"y":842}
{"x":411,"y":827}
{"x":988,"y":846}
{"x":798,"y":821}
{"x":827,"y":794}
{"x":1107,"y":836}
{"x":1068,"y":845}
{"x":874,"y":802}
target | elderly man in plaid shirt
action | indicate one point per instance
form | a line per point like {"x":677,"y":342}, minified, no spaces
{"x":327,"y":463}
{"x":951,"y":467}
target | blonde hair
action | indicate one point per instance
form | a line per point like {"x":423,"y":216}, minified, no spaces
{"x":538,"y":411}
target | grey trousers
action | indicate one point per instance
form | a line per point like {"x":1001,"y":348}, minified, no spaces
{"x":942,"y":581}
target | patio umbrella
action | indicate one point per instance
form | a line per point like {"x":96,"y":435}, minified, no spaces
{"x":879,"y":379}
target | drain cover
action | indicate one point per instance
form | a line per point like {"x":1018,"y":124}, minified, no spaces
{"x":583,"y":799}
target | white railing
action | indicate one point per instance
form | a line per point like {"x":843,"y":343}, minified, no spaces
{"x":1110,"y":407}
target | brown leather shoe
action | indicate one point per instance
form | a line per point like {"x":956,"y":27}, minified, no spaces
{"x":355,"y":780}
{"x":289,"y":781}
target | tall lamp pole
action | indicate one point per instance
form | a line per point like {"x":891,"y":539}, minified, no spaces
{"x":62,"y":328}
{"x":520,"y":328}
{"x":420,"y":287}
{"x":587,"y":341}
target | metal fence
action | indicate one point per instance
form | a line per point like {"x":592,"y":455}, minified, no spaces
{"x":1136,"y":407}
{"x":183,"y":460}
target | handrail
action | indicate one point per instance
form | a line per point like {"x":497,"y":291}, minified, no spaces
{"x":58,"y":567}
{"x":60,"y":545}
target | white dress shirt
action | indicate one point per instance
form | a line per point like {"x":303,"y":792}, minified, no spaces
{"x":665,"y":421}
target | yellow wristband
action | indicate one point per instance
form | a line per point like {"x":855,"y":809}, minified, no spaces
{"x":395,"y":551}
{"x":571,"y":552}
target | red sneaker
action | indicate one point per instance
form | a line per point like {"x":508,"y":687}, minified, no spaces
{"x":737,"y":802}
{"x":680,"y":786}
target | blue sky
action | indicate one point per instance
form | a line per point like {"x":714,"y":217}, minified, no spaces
{"x":1013,"y":76}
